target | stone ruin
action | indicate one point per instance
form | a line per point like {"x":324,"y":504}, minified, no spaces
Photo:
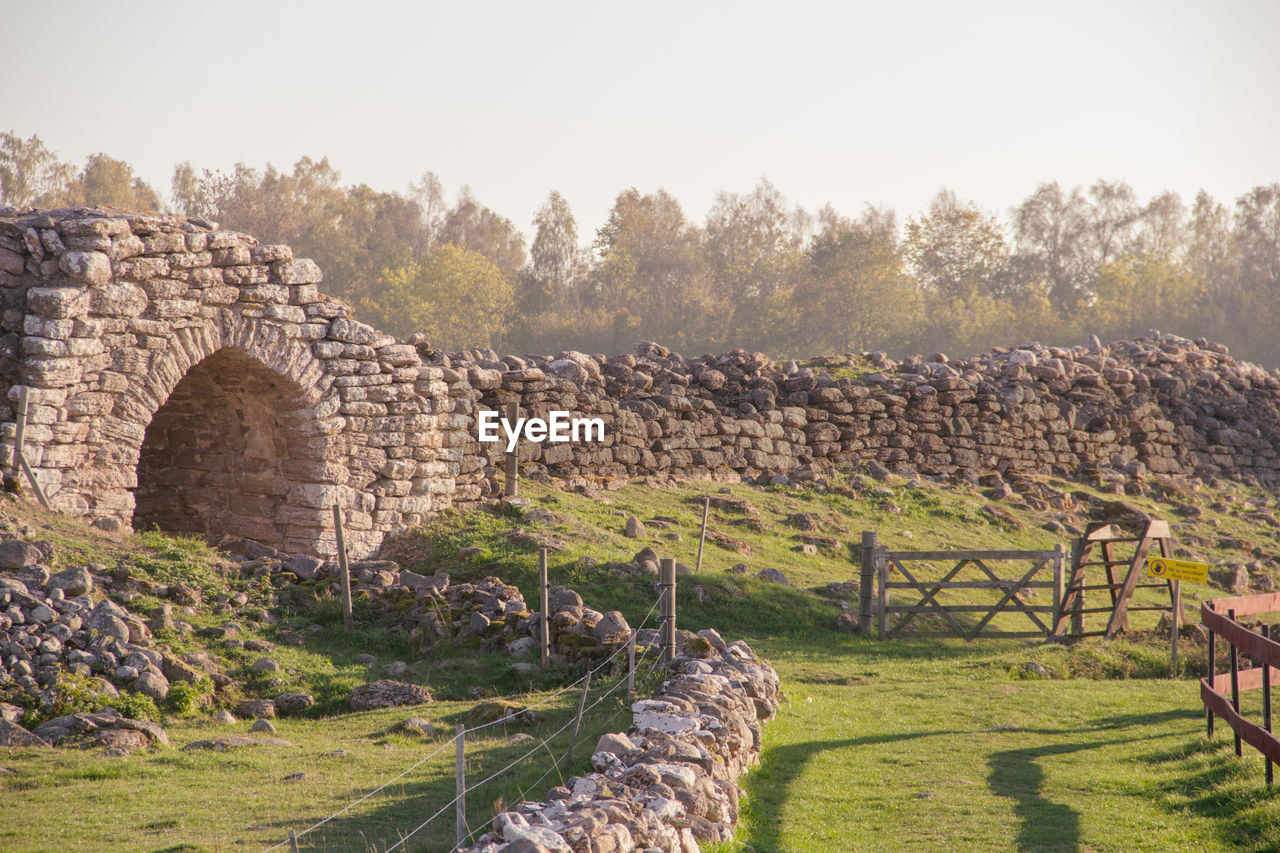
{"x":186,"y":377}
{"x":189,"y":378}
{"x":1160,"y":404}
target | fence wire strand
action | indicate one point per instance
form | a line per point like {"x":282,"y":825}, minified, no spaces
{"x":546,"y":700}
{"x":621,"y":682}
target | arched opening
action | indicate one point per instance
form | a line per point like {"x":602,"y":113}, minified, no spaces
{"x":222,"y":455}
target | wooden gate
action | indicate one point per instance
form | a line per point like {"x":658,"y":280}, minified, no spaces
{"x":1010,"y":591}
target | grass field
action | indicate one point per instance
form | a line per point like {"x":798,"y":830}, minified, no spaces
{"x":921,"y":747}
{"x":896,"y":745}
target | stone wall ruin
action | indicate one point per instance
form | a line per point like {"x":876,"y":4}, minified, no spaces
{"x":1159,"y":404}
{"x":187,"y":377}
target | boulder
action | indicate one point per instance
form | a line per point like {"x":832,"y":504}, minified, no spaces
{"x":293,"y":703}
{"x":415,"y":726}
{"x":615,"y":744}
{"x":12,"y":734}
{"x":177,"y":670}
{"x":773,"y":576}
{"x":73,"y":582}
{"x":304,"y":566}
{"x":86,"y":729}
{"x":153,"y":684}
{"x":522,"y":647}
{"x":162,"y":618}
{"x":117,"y":741}
{"x":257,"y":708}
{"x":612,"y":628}
{"x":107,"y":619}
{"x":385,"y":693}
{"x":15,"y":554}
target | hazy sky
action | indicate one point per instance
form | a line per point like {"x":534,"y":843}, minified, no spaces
{"x":847,"y":103}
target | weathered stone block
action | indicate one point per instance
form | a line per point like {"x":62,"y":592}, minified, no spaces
{"x":91,"y":268}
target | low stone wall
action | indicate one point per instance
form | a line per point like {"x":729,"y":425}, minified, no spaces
{"x":1160,"y":404}
{"x":668,"y":781}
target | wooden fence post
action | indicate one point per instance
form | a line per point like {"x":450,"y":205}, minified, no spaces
{"x":881,"y":560}
{"x":1235,"y":682}
{"x":544,"y":621}
{"x":20,"y":466}
{"x":460,"y":786}
{"x":702,"y":537}
{"x":1266,"y":703}
{"x":868,"y":581}
{"x":20,"y":436}
{"x":1173,"y":629}
{"x":631,"y":665}
{"x":511,"y":484}
{"x":1211,"y":666}
{"x":667,"y":582}
{"x":344,"y":570}
{"x":35,"y":484}
{"x":1059,"y":575}
{"x":577,"y":721}
{"x":293,"y":841}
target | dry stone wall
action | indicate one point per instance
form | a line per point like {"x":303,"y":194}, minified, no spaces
{"x":669,"y":781}
{"x":202,"y":381}
{"x":188,"y":377}
{"x":1158,"y":404}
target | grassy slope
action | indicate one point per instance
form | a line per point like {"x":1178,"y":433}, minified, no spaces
{"x":882,"y":745}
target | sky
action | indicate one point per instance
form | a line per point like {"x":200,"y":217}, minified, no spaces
{"x":846,"y":103}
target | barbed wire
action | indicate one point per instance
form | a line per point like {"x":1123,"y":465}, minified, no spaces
{"x":555,"y":761}
{"x":380,"y":788}
{"x":543,"y":744}
{"x":546,"y":700}
{"x":621,"y":648}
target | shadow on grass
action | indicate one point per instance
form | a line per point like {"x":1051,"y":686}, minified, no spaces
{"x":1046,"y":825}
{"x":1209,"y":780}
{"x":1017,"y":774}
{"x":767,"y":787}
{"x":1049,"y":827}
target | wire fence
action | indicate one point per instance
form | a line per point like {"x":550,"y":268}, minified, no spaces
{"x":543,"y":744}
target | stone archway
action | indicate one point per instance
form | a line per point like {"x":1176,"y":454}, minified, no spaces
{"x":224,"y":453}
{"x":203,"y":380}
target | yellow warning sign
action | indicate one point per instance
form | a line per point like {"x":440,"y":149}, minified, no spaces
{"x":1177,"y":570}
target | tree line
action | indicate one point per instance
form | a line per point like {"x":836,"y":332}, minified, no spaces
{"x":758,"y":272}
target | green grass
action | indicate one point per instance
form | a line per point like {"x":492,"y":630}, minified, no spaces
{"x":245,"y":799}
{"x":909,"y":744}
{"x":915,"y":746}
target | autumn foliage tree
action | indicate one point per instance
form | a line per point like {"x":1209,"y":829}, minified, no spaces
{"x":757,"y":272}
{"x":456,"y":297}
